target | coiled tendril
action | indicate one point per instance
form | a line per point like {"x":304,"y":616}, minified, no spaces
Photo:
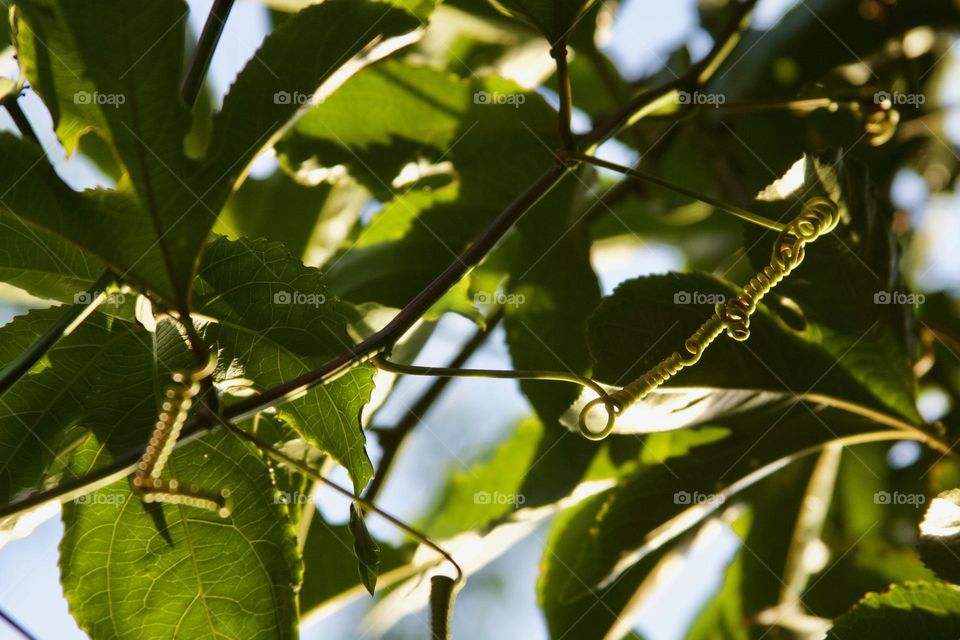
{"x":819,"y":216}
{"x":146,"y":482}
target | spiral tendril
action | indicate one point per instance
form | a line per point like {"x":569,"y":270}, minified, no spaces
{"x":819,"y":216}
{"x":177,"y":400}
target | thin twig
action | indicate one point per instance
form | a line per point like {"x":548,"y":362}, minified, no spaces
{"x":312,"y":473}
{"x":203,"y":54}
{"x":565,"y":93}
{"x":726,"y":207}
{"x":16,"y":626}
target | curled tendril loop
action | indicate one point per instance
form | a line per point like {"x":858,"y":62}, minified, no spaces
{"x":819,"y":216}
{"x":177,"y":400}
{"x":880,"y":123}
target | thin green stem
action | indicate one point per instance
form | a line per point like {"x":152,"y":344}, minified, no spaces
{"x":391,"y":440}
{"x":519,"y":374}
{"x":609,"y":402}
{"x":565,"y":93}
{"x":925,"y":436}
{"x":726,"y":207}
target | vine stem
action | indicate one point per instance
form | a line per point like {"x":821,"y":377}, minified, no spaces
{"x":612,"y":405}
{"x":392,"y":440}
{"x":203,"y":54}
{"x":924,"y":436}
{"x":384,"y":339}
{"x":495,"y":374}
{"x":809,"y":526}
{"x":565,"y":93}
{"x":312,"y":473}
{"x":636,"y":174}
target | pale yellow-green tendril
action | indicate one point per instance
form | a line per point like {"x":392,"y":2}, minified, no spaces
{"x":146,"y":482}
{"x":819,"y":216}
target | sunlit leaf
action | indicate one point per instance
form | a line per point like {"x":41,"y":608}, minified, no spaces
{"x":130,"y":571}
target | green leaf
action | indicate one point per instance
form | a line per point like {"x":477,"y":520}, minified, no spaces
{"x":130,"y":571}
{"x":553,"y":291}
{"x":365,"y":548}
{"x":616,"y":529}
{"x":555,"y":19}
{"x":475,"y":497}
{"x":912,"y":610}
{"x":316,"y":49}
{"x":115,"y":67}
{"x":42,"y":264}
{"x":498,"y":140}
{"x":420,"y":115}
{"x":377,"y":122}
{"x":753,"y":579}
{"x":252,"y":211}
{"x":940,"y":537}
{"x":659,"y":447}
{"x":273,"y":320}
{"x":108,"y":224}
{"x":864,"y":531}
{"x":99,"y":379}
